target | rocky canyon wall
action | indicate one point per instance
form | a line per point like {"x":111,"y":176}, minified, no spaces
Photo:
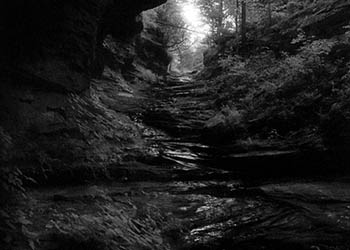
{"x":65,"y":68}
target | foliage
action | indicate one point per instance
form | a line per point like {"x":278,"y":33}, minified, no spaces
{"x":219,"y":15}
{"x":226,"y":16}
{"x":168,"y":18}
{"x":280,"y":95}
{"x":176,"y":35}
{"x":232,"y":64}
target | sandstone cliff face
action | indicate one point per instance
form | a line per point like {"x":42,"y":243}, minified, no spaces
{"x":65,"y":82}
{"x":57,"y":40}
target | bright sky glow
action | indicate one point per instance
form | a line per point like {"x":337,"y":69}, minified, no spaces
{"x":195,"y":22}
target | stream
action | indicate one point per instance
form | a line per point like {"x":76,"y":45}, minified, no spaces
{"x":207,"y":206}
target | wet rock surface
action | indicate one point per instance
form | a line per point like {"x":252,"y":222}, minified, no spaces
{"x":184,"y":199}
{"x":101,"y":108}
{"x":195,"y":215}
{"x":56,"y":129}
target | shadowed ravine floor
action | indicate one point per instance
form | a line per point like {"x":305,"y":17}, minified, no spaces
{"x":204,"y":206}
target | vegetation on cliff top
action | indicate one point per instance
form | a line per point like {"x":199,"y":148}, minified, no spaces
{"x":283,"y":84}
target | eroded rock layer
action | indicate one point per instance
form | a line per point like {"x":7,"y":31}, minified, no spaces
{"x":64,"y":95}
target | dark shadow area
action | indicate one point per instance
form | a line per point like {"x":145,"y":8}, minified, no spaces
{"x":178,"y":124}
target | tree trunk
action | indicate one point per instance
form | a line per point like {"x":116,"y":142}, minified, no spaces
{"x":237,"y":17}
{"x":269,"y":14}
{"x":221,"y":17}
{"x":244,"y":22}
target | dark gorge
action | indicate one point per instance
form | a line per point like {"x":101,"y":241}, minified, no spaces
{"x":125,"y":126}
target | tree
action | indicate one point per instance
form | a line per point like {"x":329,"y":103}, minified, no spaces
{"x":237,"y":16}
{"x":220,"y":16}
{"x":243,"y":22}
{"x":169,"y":22}
{"x":269,"y":13}
{"x":176,"y":34}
